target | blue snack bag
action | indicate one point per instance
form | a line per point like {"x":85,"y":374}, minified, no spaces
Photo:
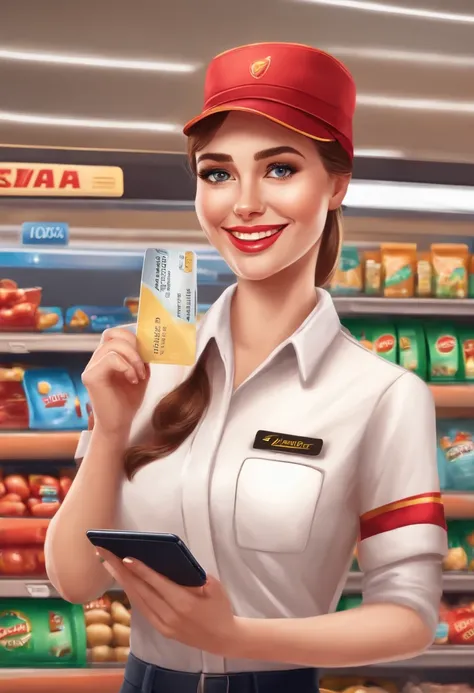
{"x":84,"y":406}
{"x":94,"y":319}
{"x":456,"y":444}
{"x":52,"y":400}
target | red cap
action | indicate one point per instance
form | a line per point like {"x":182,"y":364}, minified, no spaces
{"x":299,"y":87}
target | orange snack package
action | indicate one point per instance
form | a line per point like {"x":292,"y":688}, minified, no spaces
{"x":372,"y":260}
{"x":399,"y":269}
{"x":450,"y":269}
{"x":424,"y":275}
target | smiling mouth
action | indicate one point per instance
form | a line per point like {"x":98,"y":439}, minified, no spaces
{"x":256,"y":235}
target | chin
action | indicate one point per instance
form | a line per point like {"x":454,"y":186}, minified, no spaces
{"x":254,"y":268}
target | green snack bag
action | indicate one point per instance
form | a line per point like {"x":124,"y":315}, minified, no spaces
{"x":352,"y":601}
{"x":466,"y":348}
{"x":443,"y":353}
{"x":412,"y":349}
{"x":467,"y":531}
{"x":377,"y":337}
{"x":39,"y":633}
{"x":456,"y":559}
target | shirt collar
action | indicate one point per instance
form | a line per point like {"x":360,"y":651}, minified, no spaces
{"x":310,"y":341}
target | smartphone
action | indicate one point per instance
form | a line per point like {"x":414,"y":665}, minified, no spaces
{"x":166,"y":554}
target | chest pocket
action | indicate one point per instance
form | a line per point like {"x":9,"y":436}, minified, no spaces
{"x":275,"y":503}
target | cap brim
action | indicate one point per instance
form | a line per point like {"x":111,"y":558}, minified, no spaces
{"x":277,"y":112}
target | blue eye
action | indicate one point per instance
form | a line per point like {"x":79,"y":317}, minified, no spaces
{"x":281,"y":171}
{"x":215,"y":176}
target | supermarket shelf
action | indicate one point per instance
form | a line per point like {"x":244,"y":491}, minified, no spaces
{"x":449,"y":396}
{"x":35,"y":588}
{"x":459,"y":506}
{"x":24,"y":343}
{"x":60,"y":680}
{"x":452,"y":582}
{"x":361,"y":305}
{"x":26,"y":445}
{"x":438,"y":657}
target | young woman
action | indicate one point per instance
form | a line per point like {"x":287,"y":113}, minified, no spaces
{"x":284,"y":445}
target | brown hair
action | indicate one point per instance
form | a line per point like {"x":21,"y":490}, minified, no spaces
{"x":177,"y":415}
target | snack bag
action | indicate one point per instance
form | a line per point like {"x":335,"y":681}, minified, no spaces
{"x":399,"y":268}
{"x":51,"y":400}
{"x":18,"y":307}
{"x":466,"y":346}
{"x":81,"y":402}
{"x":443,"y":353}
{"x":471,"y":276}
{"x":166,"y":327}
{"x":13,"y":404}
{"x":456,"y":559}
{"x":347,"y":280}
{"x":412,"y":348}
{"x":456,"y":442}
{"x":372,"y":272}
{"x":49,"y":319}
{"x":380,"y":338}
{"x":461,"y":625}
{"x":450,"y":266}
{"x":424,"y":275}
{"x":48,"y":633}
{"x":96,"y":319}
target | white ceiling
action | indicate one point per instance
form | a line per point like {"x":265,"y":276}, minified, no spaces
{"x":193,"y":31}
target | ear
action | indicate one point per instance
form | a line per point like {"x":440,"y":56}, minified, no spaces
{"x":340,"y":185}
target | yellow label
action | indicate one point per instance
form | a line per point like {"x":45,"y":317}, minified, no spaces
{"x":58,"y":180}
{"x":166,"y":326}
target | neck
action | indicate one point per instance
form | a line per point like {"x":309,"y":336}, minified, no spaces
{"x":265,"y":313}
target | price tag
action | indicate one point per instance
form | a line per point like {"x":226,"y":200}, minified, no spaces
{"x":39,"y":591}
{"x":18,"y":348}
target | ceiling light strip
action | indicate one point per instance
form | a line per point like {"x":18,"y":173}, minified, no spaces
{"x":385,"y":8}
{"x":95,"y":61}
{"x":438,"y":59}
{"x":413,"y":197}
{"x":30,"y":119}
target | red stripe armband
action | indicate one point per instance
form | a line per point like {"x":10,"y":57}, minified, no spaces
{"x":424,"y":509}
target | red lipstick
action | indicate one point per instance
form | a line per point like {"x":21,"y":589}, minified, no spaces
{"x":255,"y":245}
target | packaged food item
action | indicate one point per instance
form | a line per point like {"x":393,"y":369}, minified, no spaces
{"x":372,"y":272}
{"x":466,"y":346}
{"x":36,"y":495}
{"x":22,"y":561}
{"x":450,"y":270}
{"x":40,"y":633}
{"x":13,"y":405}
{"x":424,"y":275}
{"x":398,"y":269}
{"x":15,"y":533}
{"x":82,"y":401}
{"x":51,"y":400}
{"x":96,"y":319}
{"x":443,"y":353}
{"x":412,"y":348}
{"x":49,"y":319}
{"x":471,"y":276}
{"x":456,"y":559}
{"x":379,"y":337}
{"x":461,"y":625}
{"x":131,"y":304}
{"x":166,"y":327}
{"x":108,"y":629}
{"x":456,"y":443}
{"x":18,"y":307}
{"x":347,"y":279}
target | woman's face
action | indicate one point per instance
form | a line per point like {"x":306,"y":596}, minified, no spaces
{"x":263,"y":195}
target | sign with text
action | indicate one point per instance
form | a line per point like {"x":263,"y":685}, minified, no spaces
{"x":44,"y":233}
{"x":60,"y":180}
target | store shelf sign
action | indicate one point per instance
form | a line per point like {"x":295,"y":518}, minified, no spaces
{"x":55,"y":180}
{"x":44,"y":233}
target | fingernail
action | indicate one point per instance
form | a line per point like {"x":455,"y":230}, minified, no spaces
{"x":128,"y":561}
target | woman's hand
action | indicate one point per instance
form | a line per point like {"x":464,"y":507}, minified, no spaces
{"x":200,"y":617}
{"x":116,"y":379}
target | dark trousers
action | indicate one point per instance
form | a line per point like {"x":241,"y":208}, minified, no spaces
{"x":141,"y":677}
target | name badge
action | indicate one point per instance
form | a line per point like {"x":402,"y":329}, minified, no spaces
{"x":283,"y":442}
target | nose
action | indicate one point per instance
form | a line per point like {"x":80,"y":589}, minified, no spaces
{"x":249,"y":203}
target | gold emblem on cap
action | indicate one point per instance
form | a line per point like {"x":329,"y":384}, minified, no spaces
{"x":260,"y":67}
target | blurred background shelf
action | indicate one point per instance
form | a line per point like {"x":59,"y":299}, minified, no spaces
{"x":37,"y":588}
{"x":361,"y":305}
{"x":24,"y":343}
{"x":452,"y":583}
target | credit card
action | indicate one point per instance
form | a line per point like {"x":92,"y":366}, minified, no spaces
{"x":166,"y":325}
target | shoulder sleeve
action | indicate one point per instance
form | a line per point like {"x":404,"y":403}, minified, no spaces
{"x":400,"y":506}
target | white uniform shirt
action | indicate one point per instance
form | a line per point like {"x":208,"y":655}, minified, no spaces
{"x":277,"y":527}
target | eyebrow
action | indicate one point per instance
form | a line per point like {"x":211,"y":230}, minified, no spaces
{"x":264,"y":154}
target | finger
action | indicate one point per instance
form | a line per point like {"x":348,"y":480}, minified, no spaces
{"x":119,"y":333}
{"x":125,"y":349}
{"x":138,"y":603}
{"x":110,"y":362}
{"x":171,"y":592}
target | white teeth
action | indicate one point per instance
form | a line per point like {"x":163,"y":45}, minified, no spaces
{"x":255,"y":236}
